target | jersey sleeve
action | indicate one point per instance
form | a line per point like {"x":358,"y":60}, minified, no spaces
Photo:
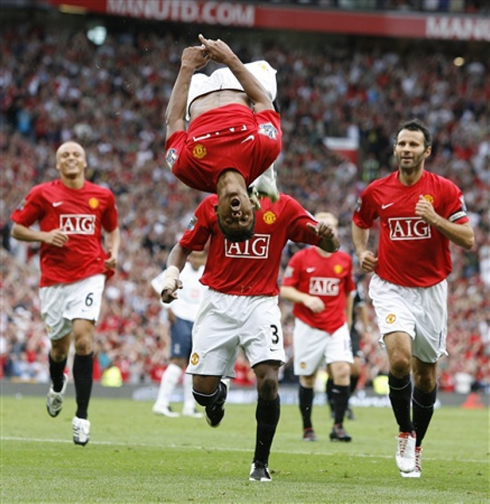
{"x":365,"y":212}
{"x":109,"y":217}
{"x":297,"y":220}
{"x":30,"y":209}
{"x":291,"y":274}
{"x":350,"y":285}
{"x":455,"y":206}
{"x":199,"y":227}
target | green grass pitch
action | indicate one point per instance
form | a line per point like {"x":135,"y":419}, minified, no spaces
{"x":135,"y":456}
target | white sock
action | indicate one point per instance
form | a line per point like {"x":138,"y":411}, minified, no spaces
{"x":169,"y":381}
{"x":189,"y":401}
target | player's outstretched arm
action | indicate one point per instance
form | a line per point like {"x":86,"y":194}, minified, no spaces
{"x":193,"y":58}
{"x":221,"y":52}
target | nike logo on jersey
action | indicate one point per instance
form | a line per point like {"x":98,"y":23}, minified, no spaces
{"x":386,"y":206}
{"x":310,"y":270}
{"x":57,"y":203}
{"x":250,"y":137}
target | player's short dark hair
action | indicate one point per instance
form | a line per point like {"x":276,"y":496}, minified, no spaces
{"x":240,"y":235}
{"x":416,"y":125}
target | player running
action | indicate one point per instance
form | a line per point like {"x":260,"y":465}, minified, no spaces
{"x":241,"y":308}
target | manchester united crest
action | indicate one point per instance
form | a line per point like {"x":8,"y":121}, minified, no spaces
{"x":269,"y":217}
{"x":199,"y":151}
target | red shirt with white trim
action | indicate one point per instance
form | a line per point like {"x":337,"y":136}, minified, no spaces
{"x":231,"y":136}
{"x":81,"y":214}
{"x":329,"y":278}
{"x":411,"y":253}
{"x":248,"y":268}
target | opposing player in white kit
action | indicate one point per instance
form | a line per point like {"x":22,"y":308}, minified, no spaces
{"x":72,"y":213}
{"x":181,"y":315}
{"x":420,"y":214}
{"x":241,"y":308}
{"x":321,"y":287}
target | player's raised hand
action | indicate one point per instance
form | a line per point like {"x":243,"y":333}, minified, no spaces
{"x":217,"y":50}
{"x":330,"y":242}
{"x":196,"y":57}
{"x":424,"y":209}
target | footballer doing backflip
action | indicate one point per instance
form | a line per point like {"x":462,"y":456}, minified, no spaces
{"x":420,"y":214}
{"x":233,"y":134}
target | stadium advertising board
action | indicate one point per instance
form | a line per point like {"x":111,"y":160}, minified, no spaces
{"x":388,"y":24}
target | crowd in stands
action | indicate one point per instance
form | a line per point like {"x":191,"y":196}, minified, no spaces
{"x":449,"y":6}
{"x":55,"y":85}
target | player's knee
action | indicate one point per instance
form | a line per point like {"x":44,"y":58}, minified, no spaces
{"x":307,"y":381}
{"x":400,"y":364}
{"x":268,"y":388}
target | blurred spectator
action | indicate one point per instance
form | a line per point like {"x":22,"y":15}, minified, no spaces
{"x":55,"y":85}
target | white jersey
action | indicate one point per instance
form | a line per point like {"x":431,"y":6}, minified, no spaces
{"x":189,"y":297}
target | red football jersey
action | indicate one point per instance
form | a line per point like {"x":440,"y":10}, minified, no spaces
{"x":228,"y":137}
{"x":411,"y":253}
{"x":329,"y":278}
{"x":248,"y":268}
{"x":81,"y":214}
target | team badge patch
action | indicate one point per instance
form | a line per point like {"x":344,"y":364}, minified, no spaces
{"x":429,"y":198}
{"x":463,"y":204}
{"x":358,"y":205}
{"x":192,"y":223}
{"x":194,"y":359}
{"x":338,"y":269}
{"x":269,"y":217}
{"x":171,"y":157}
{"x":199,"y":151}
{"x":269,"y":130}
{"x":302,"y":365}
{"x":390,"y":318}
{"x":93,"y":203}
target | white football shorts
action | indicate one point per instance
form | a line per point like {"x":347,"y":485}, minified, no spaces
{"x":421,"y":312}
{"x":225,"y":322}
{"x":223,"y":78}
{"x":314,"y":348}
{"x":62,"y":303}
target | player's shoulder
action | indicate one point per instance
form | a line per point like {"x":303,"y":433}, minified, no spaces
{"x":97,"y":188}
{"x":205,"y":212}
{"x":44,"y":188}
{"x":389,"y":179}
{"x":440,"y":180}
{"x":341,"y":254}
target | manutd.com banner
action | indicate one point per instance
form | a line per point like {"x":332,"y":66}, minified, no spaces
{"x":284,"y":18}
